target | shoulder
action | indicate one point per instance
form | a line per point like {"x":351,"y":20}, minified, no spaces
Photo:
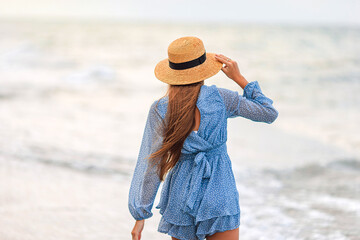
{"x":227,"y":94}
{"x":215,"y":92}
{"x":159,"y":106}
{"x":209,"y":89}
{"x":223,"y":91}
{"x":214,"y":88}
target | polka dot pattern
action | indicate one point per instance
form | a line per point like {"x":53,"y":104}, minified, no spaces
{"x":199,"y":195}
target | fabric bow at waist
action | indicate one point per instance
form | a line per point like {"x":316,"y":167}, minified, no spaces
{"x":202,"y":169}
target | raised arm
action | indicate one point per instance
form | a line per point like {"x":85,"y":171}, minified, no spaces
{"x":253,"y":104}
{"x":145,"y":181}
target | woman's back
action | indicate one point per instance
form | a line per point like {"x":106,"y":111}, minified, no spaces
{"x":217,"y":104}
{"x":199,"y":197}
{"x":201,"y":185}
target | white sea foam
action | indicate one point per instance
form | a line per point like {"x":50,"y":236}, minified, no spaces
{"x":74,"y":100}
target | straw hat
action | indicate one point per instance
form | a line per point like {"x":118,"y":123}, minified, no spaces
{"x":187,"y":62}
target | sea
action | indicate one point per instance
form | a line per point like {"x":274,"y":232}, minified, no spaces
{"x":74,"y":95}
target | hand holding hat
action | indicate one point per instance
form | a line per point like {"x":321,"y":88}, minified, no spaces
{"x":231,"y":68}
{"x":188,"y":62}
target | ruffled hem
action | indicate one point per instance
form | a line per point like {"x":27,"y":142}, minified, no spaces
{"x":203,"y":229}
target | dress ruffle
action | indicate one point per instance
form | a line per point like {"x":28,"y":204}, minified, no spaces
{"x":199,"y":196}
{"x":215,"y":210}
{"x":202,"y":230}
{"x":216,"y":196}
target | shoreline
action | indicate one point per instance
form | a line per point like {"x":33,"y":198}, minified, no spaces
{"x":40,"y":201}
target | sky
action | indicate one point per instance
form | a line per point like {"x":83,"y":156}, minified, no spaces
{"x":338,"y":12}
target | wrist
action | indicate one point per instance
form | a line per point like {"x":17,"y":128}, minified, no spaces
{"x":240,"y":80}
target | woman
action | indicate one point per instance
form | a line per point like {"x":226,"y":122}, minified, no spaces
{"x":185,"y":140}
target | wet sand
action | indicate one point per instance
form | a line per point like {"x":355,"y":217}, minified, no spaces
{"x":40,"y":201}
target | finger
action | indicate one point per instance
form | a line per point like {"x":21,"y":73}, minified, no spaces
{"x":224,"y":57}
{"x":225,"y":70}
{"x":220,"y":59}
{"x":226,"y":61}
{"x":229,"y":64}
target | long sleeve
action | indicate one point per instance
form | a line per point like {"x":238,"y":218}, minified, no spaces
{"x":253,"y":104}
{"x":145,"y":181}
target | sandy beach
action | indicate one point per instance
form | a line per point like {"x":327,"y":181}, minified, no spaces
{"x":41,"y":201}
{"x":70,"y":134}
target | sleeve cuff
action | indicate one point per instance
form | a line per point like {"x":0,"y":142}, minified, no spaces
{"x":250,"y":87}
{"x":144,"y":217}
{"x":140,"y":213}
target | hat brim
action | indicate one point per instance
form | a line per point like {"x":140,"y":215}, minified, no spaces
{"x":210,"y":67}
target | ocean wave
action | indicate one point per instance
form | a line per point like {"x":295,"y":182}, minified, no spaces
{"x":96,"y":74}
{"x":315,"y":201}
{"x":90,"y":163}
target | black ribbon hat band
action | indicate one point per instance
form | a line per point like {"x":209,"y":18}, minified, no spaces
{"x":189,"y":64}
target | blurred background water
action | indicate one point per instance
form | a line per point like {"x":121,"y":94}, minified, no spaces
{"x":74,"y":97}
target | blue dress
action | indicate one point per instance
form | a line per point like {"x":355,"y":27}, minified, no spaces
{"x":199,"y":195}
